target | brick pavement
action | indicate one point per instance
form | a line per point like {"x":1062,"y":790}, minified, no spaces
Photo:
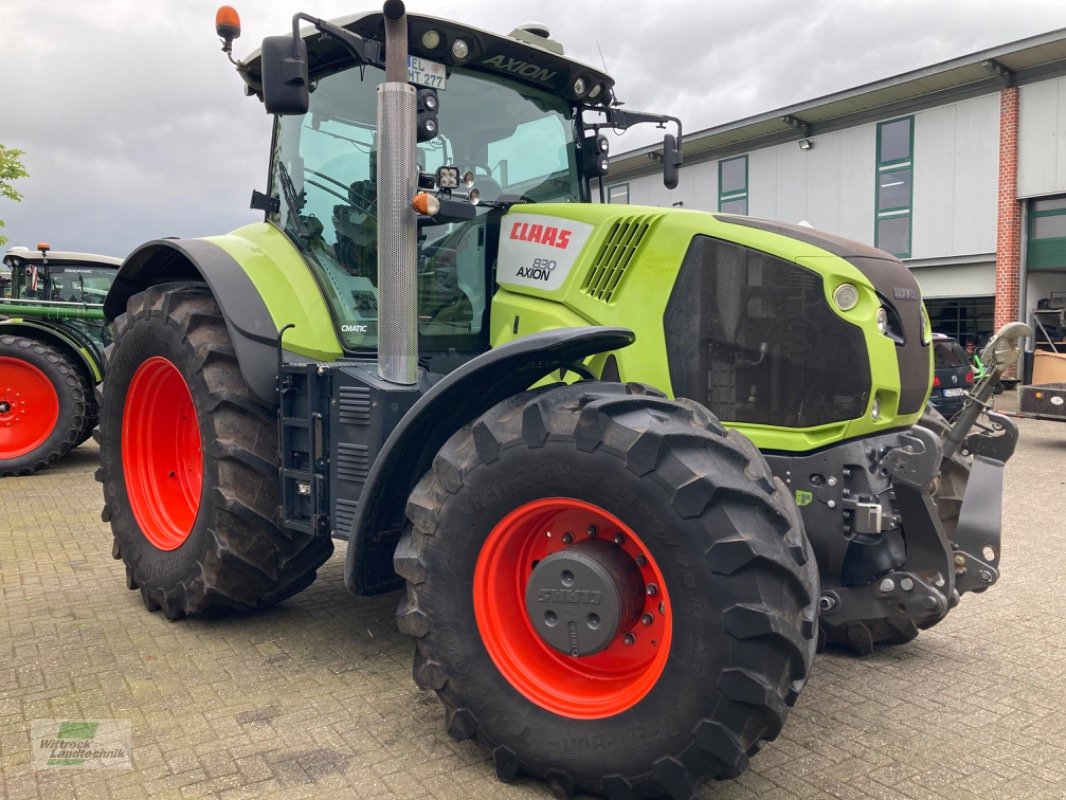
{"x":315,"y":699}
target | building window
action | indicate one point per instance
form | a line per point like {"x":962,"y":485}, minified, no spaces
{"x":895,"y":186}
{"x":733,"y":185}
{"x":1047,"y":233}
{"x":968,"y":319}
{"x":619,"y":193}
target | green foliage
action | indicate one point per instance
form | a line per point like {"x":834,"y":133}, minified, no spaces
{"x":11,"y":169}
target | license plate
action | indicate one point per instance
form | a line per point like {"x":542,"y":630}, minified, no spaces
{"x":954,"y":392}
{"x":423,"y":72}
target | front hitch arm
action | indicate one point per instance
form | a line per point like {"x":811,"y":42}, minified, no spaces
{"x":913,"y":466}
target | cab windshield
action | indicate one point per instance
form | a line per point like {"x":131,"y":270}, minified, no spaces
{"x":516,"y":140}
{"x":55,"y":284}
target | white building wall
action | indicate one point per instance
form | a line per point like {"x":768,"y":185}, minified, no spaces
{"x":1042,"y":138}
{"x":956,"y":169}
{"x":832,"y":185}
{"x":858,"y":164}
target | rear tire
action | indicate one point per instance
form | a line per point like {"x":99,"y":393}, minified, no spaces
{"x":696,"y":509}
{"x":43,"y":405}
{"x":863,"y":636}
{"x":189,"y":465}
{"x":92,"y":414}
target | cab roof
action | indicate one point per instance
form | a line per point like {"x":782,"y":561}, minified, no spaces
{"x":59,"y":258}
{"x":522,"y":55}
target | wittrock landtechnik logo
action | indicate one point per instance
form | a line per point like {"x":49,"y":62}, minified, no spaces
{"x":81,"y":744}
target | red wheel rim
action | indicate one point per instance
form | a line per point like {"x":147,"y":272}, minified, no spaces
{"x":161,"y":454}
{"x":29,"y":407}
{"x":587,"y":687}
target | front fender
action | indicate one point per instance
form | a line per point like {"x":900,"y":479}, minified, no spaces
{"x":457,"y":399}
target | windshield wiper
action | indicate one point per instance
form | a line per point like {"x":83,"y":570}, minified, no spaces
{"x":291,"y":200}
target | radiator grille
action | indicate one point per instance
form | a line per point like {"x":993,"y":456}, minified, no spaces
{"x":343,"y":517}
{"x":354,"y":405}
{"x":353,"y":462}
{"x":619,"y":249}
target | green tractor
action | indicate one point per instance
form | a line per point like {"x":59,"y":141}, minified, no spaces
{"x":629,"y":465}
{"x":52,"y":337}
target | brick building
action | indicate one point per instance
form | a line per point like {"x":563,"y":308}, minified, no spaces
{"x":958,"y":168}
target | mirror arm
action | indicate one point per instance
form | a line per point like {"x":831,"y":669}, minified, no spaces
{"x":364,"y":51}
{"x":622,"y":120}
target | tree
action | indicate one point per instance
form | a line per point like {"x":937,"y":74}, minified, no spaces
{"x":11,"y":169}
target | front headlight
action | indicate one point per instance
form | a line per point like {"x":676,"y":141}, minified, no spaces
{"x":927,"y":328}
{"x":882,"y":320}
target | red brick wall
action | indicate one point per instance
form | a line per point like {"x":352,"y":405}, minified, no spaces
{"x":1009,"y":221}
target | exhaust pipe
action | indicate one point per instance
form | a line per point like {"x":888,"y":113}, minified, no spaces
{"x":397,"y":172}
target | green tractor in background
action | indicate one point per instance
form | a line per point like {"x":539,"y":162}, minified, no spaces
{"x":52,"y":337}
{"x":630,"y":465}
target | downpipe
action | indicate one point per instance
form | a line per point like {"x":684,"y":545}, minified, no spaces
{"x":397,"y":224}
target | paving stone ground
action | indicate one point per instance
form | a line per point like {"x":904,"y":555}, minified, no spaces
{"x":315,"y":698}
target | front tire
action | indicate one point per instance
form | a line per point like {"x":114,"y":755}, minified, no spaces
{"x":189,"y":465}
{"x":681,"y":513}
{"x":43,"y":405}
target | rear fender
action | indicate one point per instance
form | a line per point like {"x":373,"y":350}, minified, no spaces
{"x":457,"y":399}
{"x":252,"y":327}
{"x":80,"y":349}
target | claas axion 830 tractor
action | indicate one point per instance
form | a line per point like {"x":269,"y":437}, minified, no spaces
{"x":630,"y":465}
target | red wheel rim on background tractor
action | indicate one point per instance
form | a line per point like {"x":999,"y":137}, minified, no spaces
{"x":161,"y":453}
{"x":588,"y":686}
{"x":29,"y":407}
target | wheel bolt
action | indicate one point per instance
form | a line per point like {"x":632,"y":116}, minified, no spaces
{"x":651,"y":589}
{"x":629,"y":639}
{"x":646,"y":619}
{"x":591,"y":530}
{"x":641,"y":561}
{"x":618,"y":538}
{"x":568,"y":537}
{"x":662,"y":609}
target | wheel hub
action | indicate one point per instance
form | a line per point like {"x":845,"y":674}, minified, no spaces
{"x":580,"y":598}
{"x":29,"y":407}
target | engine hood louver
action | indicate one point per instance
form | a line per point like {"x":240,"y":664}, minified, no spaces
{"x":619,"y":249}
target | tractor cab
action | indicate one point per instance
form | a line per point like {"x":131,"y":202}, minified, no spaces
{"x":502,"y":120}
{"x":32,"y":277}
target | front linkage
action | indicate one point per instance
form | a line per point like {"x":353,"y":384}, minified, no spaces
{"x":920,"y":514}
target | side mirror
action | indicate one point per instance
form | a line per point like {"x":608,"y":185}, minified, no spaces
{"x":285,"y":83}
{"x":672,"y":158}
{"x":1004,"y":348}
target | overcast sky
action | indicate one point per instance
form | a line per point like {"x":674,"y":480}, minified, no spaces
{"x":135,"y":126}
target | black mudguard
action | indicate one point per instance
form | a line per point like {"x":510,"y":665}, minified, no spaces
{"x":458,"y":398}
{"x":249,"y":322}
